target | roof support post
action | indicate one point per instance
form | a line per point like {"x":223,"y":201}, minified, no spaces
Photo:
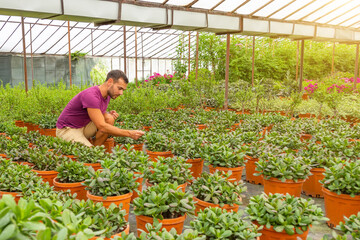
{"x":197,"y":56}
{"x":356,"y":65}
{"x":136,"y":66}
{"x":301,"y":64}
{"x":297,"y":61}
{"x":24,"y":49}
{"x":32,"y":61}
{"x":253,"y":63}
{"x":333,"y":60}
{"x":124,"y":27}
{"x":69,"y":54}
{"x":142,"y":55}
{"x":227,"y":70}
{"x":189,"y":56}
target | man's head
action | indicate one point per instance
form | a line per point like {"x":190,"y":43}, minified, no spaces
{"x":116,"y":82}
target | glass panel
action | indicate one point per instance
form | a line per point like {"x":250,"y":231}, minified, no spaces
{"x":338,"y":12}
{"x":342,"y":18}
{"x":350,"y":22}
{"x":56,"y":34}
{"x":272,"y":7}
{"x":251,"y":6}
{"x":325,"y":10}
{"x":206,"y":4}
{"x":179,"y":2}
{"x":290,"y":9}
{"x":229,"y":5}
{"x":156,"y":1}
{"x":308,"y":9}
{"x":8,"y":29}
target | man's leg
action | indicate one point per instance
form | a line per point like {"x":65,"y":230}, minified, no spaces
{"x":73,"y":135}
{"x":101,"y":137}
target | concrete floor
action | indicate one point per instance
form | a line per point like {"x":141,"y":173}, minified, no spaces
{"x":316,"y":231}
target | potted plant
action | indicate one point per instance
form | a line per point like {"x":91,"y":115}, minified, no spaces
{"x":47,"y":123}
{"x":283,"y":173}
{"x":110,"y":220}
{"x":351,"y":226}
{"x":224,"y":225}
{"x":287,"y":217}
{"x":163,"y":202}
{"x":91,"y":156}
{"x":341,"y":188}
{"x":136,"y":144}
{"x":113,"y":185}
{"x":223,"y":158}
{"x":215,"y":190}
{"x":168,"y":170}
{"x":14,"y":178}
{"x":157,"y":145}
{"x":71,"y":175}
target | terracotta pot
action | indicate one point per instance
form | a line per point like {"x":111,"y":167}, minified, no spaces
{"x":49,"y":132}
{"x":305,"y":137}
{"x":197,"y":165}
{"x":47,"y":176}
{"x":135,"y":194}
{"x":36,"y":127}
{"x":306,"y":115}
{"x":181,"y":186}
{"x":154,"y":155}
{"x":109,"y":144}
{"x":29,"y":126}
{"x":201,"y":126}
{"x":312,"y":187}
{"x":271,"y":234}
{"x":147,"y":128}
{"x":127,"y":231}
{"x":235,"y":175}
{"x":2,"y":155}
{"x":201,"y":205}
{"x":274,"y":185}
{"x":339,"y":206}
{"x":250,"y":167}
{"x":72,"y":157}
{"x":16,"y":195}
{"x":123,"y":199}
{"x":138,"y":147}
{"x":19,"y":123}
{"x":305,"y":96}
{"x":26,"y":163}
{"x":95,"y":166}
{"x":77,"y":188}
{"x":168,"y":224}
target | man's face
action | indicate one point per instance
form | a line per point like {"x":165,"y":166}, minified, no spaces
{"x":116,"y":89}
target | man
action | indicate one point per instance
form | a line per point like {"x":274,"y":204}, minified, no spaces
{"x":85,"y":115}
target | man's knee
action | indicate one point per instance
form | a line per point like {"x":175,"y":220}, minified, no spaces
{"x":109,"y":119}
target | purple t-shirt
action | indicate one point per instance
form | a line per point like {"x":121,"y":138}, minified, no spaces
{"x":75,"y":114}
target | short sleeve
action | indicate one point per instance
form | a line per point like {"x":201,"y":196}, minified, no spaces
{"x":90,"y":100}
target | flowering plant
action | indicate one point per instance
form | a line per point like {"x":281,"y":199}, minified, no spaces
{"x":157,"y":78}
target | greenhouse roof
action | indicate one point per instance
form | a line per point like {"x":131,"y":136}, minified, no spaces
{"x":97,"y":25}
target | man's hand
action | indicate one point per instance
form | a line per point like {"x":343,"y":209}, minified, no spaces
{"x":114,"y":114}
{"x":136,"y":134}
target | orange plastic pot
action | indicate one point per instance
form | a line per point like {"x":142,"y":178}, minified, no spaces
{"x":16,"y":195}
{"x":271,"y":234}
{"x":181,"y":186}
{"x":339,"y":206}
{"x":138,"y":147}
{"x":154,"y":155}
{"x":72,"y":157}
{"x":235,"y":175}
{"x":36,"y":127}
{"x":95,"y":166}
{"x":147,"y":128}
{"x":49,"y":132}
{"x":127,"y":231}
{"x":122,"y":199}
{"x":196,"y":168}
{"x":305,"y":137}
{"x":201,"y":205}
{"x":19,"y":123}
{"x":109,"y":144}
{"x":47,"y":176}
{"x":3,"y":156}
{"x":274,"y":185}
{"x":201,"y":126}
{"x":29,"y":126}
{"x":312,"y":187}
{"x":77,"y":188}
{"x":135,"y":194}
{"x":168,"y":224}
{"x":250,"y":167}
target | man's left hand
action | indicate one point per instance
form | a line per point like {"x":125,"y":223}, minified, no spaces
{"x":114,"y":114}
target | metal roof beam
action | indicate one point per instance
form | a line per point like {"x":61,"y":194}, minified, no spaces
{"x":262,"y":7}
{"x":278,"y":10}
{"x":240,"y":6}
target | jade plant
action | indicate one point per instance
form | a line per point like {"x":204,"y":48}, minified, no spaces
{"x":291,"y":141}
{"x":130,"y":159}
{"x":217,"y":223}
{"x":351,"y":226}
{"x":164,"y":201}
{"x":216,"y":188}
{"x":343,"y":178}
{"x":43,"y":159}
{"x":317,"y":156}
{"x":284,"y":212}
{"x":283,"y":167}
{"x":157,"y":142}
{"x":71,"y":172}
{"x":187,"y":143}
{"x":168,"y":170}
{"x":48,"y":121}
{"x":91,"y":155}
{"x":109,"y":220}
{"x":219,"y":155}
{"x":110,"y":182}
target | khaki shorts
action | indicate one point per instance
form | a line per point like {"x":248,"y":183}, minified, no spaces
{"x":78,"y":134}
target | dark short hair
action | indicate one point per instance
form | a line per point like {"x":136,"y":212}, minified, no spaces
{"x":116,"y":75}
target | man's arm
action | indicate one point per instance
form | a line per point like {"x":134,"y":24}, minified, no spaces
{"x":98,"y":118}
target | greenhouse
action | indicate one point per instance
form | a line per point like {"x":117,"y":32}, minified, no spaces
{"x":180,"y":119}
